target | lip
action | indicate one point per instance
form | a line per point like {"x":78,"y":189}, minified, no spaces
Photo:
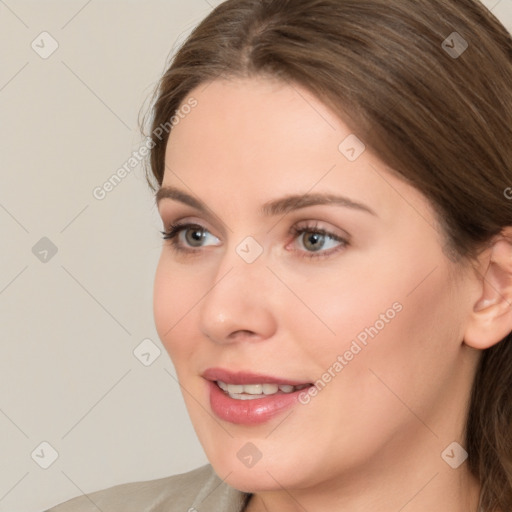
{"x":229,"y":377}
{"x":248,"y":412}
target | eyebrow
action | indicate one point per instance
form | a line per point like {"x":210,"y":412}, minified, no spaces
{"x":275,"y":207}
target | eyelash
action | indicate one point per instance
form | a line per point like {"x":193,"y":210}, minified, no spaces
{"x":175,"y":229}
{"x":297,"y":231}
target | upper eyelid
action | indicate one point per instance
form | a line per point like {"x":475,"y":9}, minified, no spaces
{"x":296,"y":228}
{"x":185,"y":211}
{"x":338,"y":232}
{"x":273,"y":209}
{"x":182,"y":225}
{"x":187,"y":218}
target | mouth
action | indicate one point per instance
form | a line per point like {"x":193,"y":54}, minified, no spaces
{"x":247,"y":399}
{"x":257,"y":391}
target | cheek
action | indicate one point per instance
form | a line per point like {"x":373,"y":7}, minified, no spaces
{"x":406,"y":353}
{"x":394,"y":318}
{"x":355,"y":302}
{"x":172,"y":302}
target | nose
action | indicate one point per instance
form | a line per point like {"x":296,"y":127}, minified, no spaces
{"x":238,"y":305}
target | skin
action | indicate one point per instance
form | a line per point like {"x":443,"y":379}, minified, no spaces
{"x":372,"y":438}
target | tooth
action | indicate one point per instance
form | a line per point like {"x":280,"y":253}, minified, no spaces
{"x":270,"y":389}
{"x":235,"y":388}
{"x":253,"y":389}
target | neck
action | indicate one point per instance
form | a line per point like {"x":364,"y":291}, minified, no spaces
{"x":419,"y":494}
{"x":421,"y":481}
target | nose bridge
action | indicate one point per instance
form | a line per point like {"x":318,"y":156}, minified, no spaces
{"x":242,"y":264}
{"x":238,"y":298}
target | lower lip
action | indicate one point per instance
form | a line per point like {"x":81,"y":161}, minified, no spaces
{"x":249,"y":412}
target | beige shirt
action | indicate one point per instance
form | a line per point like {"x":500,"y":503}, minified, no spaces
{"x":200,"y":490}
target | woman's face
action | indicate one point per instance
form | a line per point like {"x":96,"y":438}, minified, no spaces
{"x":307,"y":262}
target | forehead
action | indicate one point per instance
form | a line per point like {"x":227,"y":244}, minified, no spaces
{"x":250,"y":140}
{"x":252,"y":127}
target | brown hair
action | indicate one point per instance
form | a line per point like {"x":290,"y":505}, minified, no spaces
{"x":438,"y":116}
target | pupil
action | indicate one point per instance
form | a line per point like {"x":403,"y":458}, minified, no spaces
{"x":316,"y":241}
{"x":195,"y":236}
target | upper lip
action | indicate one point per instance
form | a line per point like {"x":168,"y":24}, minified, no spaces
{"x":241,"y":377}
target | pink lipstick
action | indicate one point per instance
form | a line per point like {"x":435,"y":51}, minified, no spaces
{"x":246,"y":398}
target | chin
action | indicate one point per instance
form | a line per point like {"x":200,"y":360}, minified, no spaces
{"x":256,"y":479}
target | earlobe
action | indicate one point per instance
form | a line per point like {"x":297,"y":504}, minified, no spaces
{"x":491,"y":318}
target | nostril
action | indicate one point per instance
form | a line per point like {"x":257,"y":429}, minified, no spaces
{"x":242,"y":333}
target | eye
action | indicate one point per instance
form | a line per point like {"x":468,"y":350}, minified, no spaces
{"x":317,"y":242}
{"x":186,"y":237}
{"x":313,"y":241}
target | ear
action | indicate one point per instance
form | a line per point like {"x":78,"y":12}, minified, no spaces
{"x":491,"y":318}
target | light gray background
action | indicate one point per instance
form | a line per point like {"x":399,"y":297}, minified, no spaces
{"x":69,"y":325}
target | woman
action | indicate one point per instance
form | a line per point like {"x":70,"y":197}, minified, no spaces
{"x":335,"y":282}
